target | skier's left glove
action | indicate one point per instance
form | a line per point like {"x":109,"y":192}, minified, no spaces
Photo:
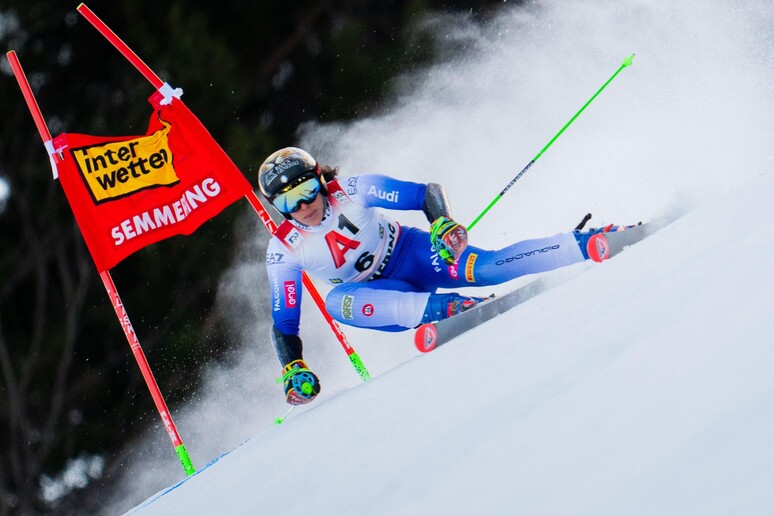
{"x":449,"y":239}
{"x":301,"y":384}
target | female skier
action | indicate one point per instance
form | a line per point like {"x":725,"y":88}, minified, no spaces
{"x":384,"y":275}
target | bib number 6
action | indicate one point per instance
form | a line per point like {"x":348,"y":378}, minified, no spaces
{"x":364,"y":262}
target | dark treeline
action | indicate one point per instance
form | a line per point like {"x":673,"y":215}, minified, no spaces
{"x":252,"y":72}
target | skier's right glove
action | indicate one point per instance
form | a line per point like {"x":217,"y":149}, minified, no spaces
{"x":449,"y":239}
{"x":301,"y":384}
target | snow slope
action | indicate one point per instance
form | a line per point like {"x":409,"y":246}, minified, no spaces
{"x":642,"y":385}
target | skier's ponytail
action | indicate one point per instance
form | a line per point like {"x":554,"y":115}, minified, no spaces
{"x":329,"y":173}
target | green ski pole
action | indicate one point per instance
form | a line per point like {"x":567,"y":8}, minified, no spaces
{"x":626,"y":62}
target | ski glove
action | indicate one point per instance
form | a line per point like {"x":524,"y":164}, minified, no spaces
{"x":449,"y":239}
{"x":301,"y":385}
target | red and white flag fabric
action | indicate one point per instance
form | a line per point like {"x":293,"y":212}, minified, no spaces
{"x":130,"y":192}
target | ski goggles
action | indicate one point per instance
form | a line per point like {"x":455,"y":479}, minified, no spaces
{"x":301,"y":191}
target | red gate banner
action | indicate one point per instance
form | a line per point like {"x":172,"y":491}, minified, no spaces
{"x":130,"y":192}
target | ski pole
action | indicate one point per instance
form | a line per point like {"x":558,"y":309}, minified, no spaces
{"x":626,"y":62}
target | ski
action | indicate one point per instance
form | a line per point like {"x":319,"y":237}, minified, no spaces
{"x":601,"y":246}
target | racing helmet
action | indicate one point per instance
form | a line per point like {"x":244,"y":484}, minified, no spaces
{"x":285,"y":169}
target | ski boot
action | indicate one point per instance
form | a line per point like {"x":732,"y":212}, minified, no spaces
{"x":443,"y":306}
{"x":593,"y":243}
{"x":301,"y":384}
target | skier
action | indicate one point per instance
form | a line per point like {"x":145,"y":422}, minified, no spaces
{"x":385,"y":276}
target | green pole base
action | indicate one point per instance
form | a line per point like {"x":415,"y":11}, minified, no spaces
{"x":185,"y":460}
{"x":359,"y":367}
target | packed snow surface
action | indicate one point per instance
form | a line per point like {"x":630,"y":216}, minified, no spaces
{"x":642,"y":385}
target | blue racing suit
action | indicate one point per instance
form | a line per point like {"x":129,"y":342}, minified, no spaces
{"x":382,"y":273}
